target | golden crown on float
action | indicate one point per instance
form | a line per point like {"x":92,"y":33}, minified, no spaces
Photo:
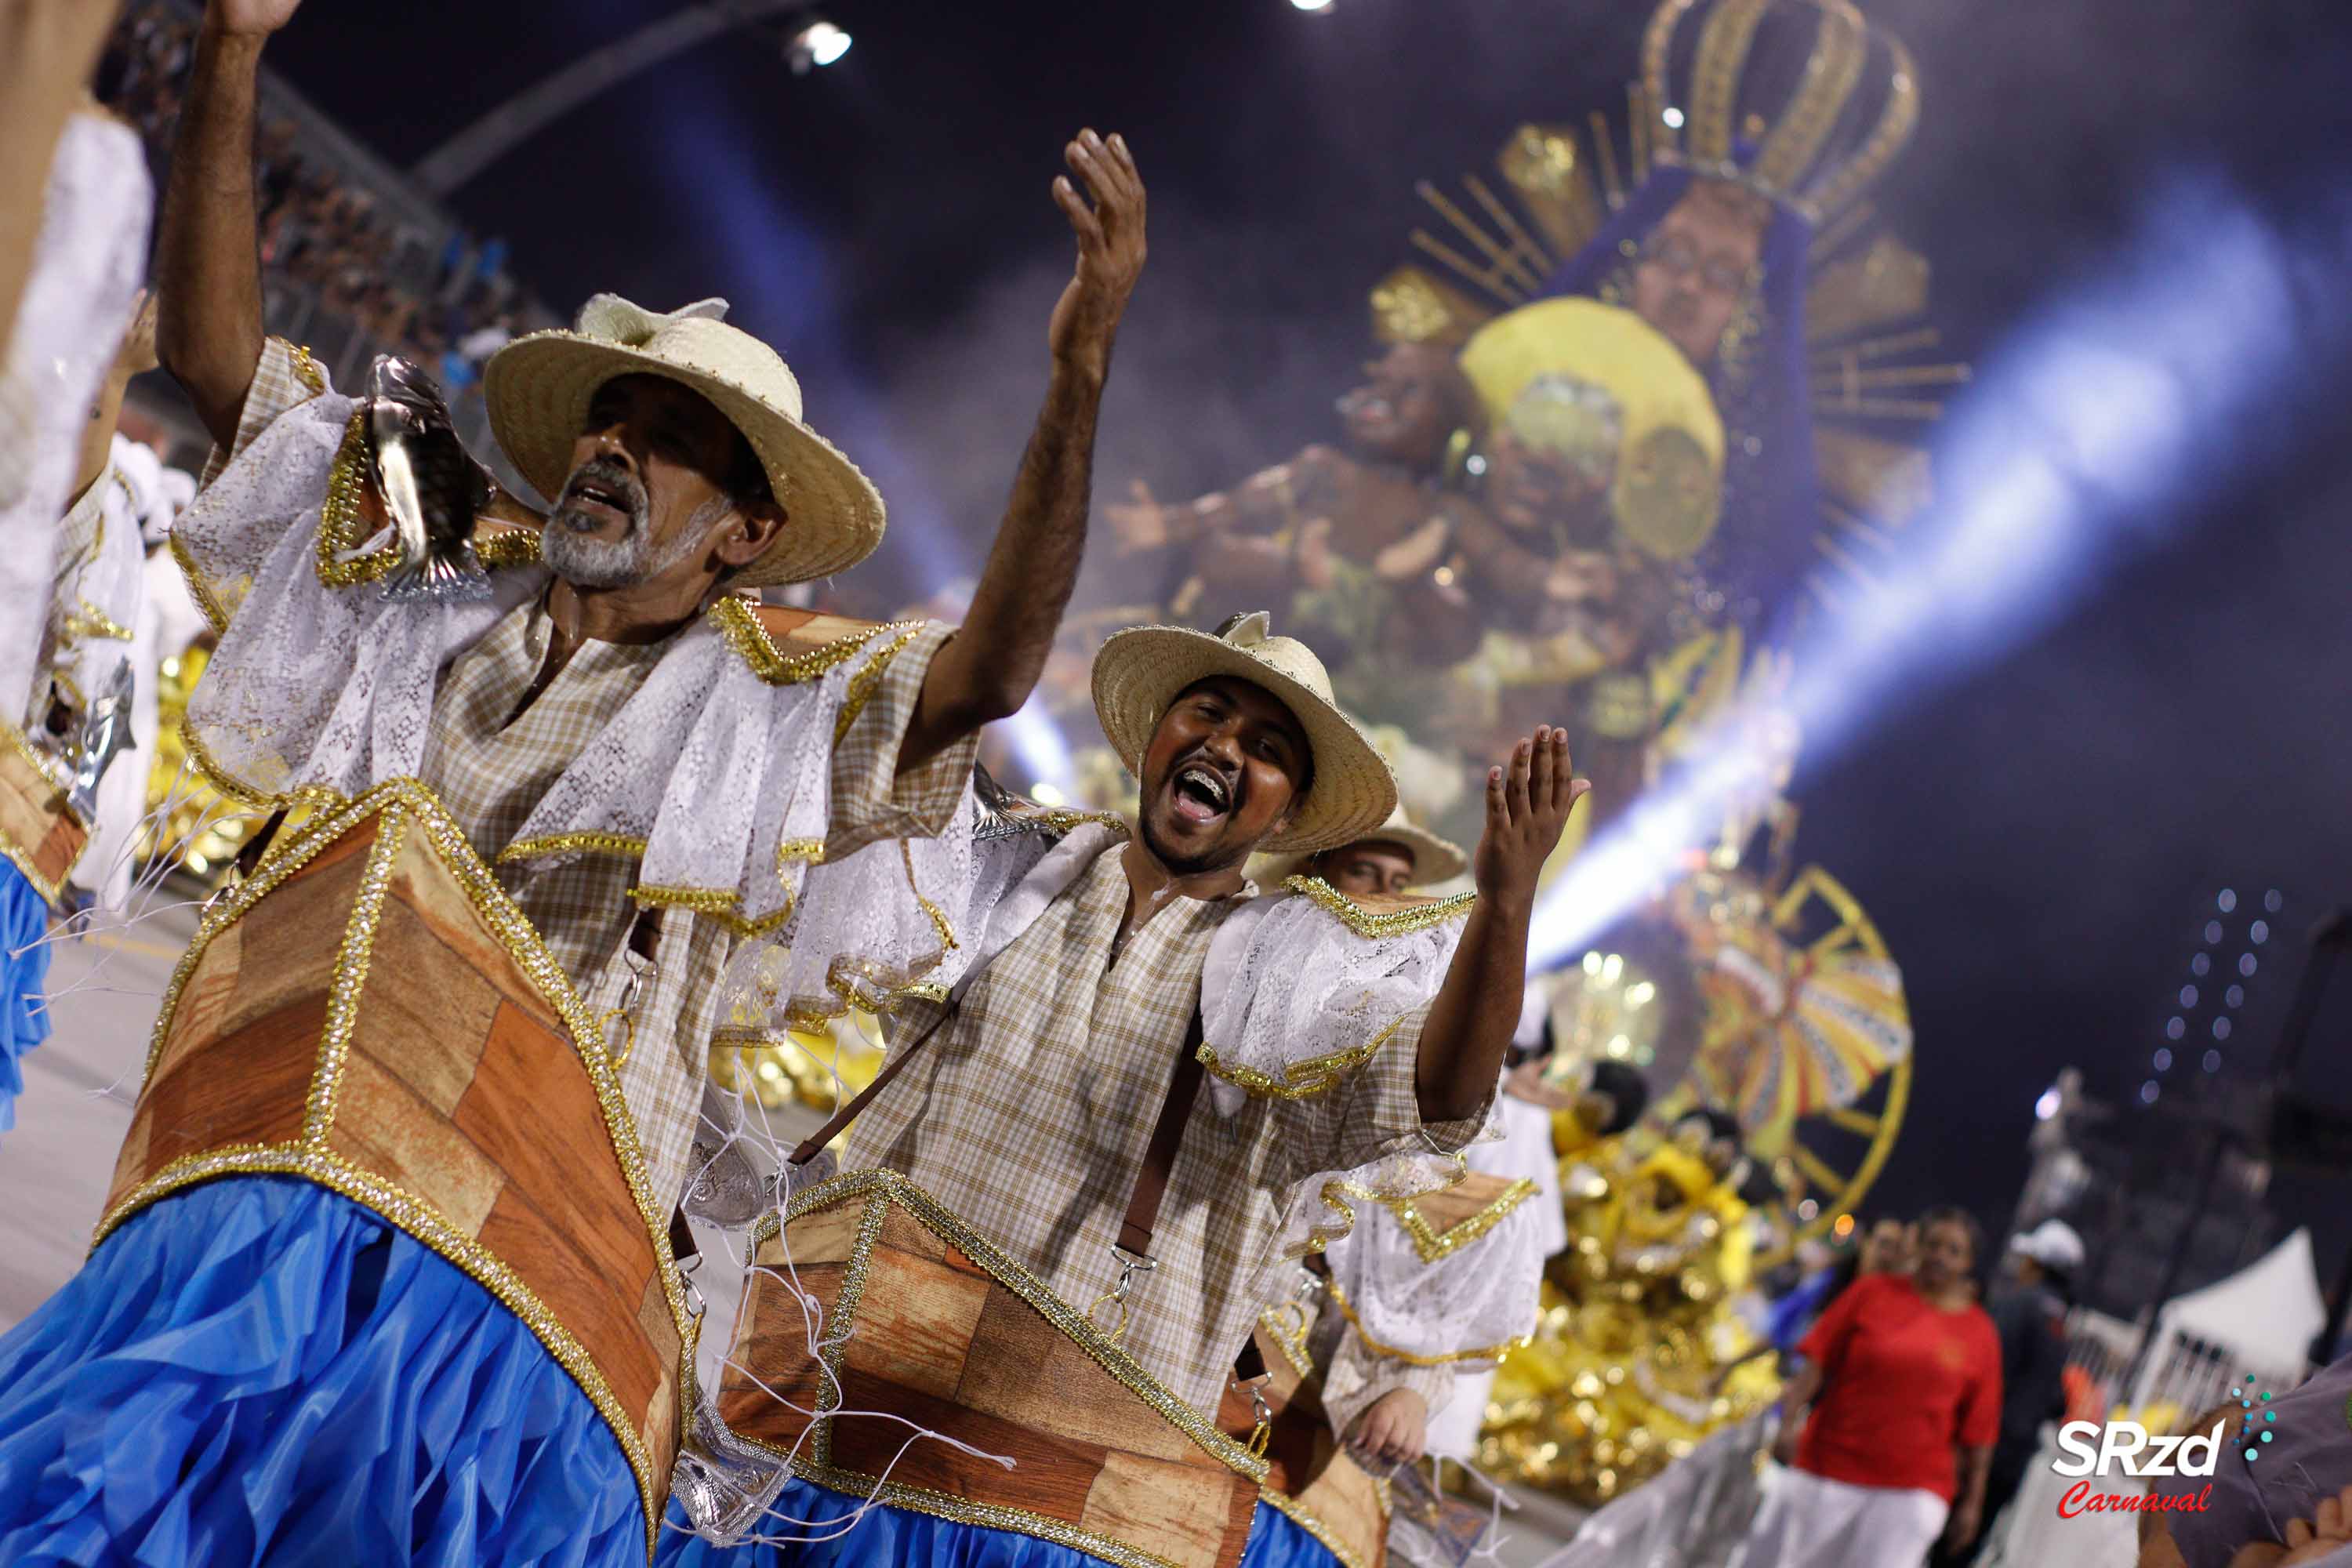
{"x":1801,"y":104}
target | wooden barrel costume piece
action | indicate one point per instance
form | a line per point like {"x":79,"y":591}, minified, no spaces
{"x":39,"y":831}
{"x":1311,"y":1477}
{"x":931,"y":1321}
{"x":372,"y":1013}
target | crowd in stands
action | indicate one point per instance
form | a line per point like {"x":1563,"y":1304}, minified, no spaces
{"x":328,"y":242}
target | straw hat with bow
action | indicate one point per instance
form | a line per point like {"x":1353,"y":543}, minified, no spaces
{"x":1141,"y":670}
{"x":539,"y":388}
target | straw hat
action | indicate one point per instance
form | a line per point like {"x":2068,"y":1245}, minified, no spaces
{"x":1435,"y":859}
{"x":539,"y":388}
{"x":1139,"y":671}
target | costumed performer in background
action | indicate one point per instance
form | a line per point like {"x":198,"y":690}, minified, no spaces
{"x":1140,"y":1096}
{"x":75,"y":202}
{"x":451,"y":1041}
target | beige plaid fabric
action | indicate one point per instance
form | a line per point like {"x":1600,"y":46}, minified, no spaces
{"x":490,"y":759}
{"x":1028,"y":1116}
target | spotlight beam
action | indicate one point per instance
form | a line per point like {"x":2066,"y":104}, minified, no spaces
{"x":2088,"y":435}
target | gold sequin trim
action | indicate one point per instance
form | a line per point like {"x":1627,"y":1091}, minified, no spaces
{"x":1313,"y":1526}
{"x":507,"y":547}
{"x":1491,"y":1352}
{"x":992,"y":1516}
{"x":200,"y":587}
{"x":860,"y":691}
{"x":88,"y":621}
{"x":941,"y":926}
{"x":425,"y":1223}
{"x":1433,"y":1245}
{"x":739,"y":623}
{"x":1388,"y":922}
{"x":993,"y":1261}
{"x":1299,"y":1080}
{"x":844,"y":1314}
{"x":17,"y":854}
{"x":307,"y":368}
{"x":620,"y":844}
{"x":712,"y":903}
{"x":351,"y":973}
{"x":338,"y":519}
{"x":419,"y":808}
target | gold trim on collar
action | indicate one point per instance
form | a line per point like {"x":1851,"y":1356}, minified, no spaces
{"x":860,"y":691}
{"x":739,"y":622}
{"x":200,"y":587}
{"x":1382,"y":921}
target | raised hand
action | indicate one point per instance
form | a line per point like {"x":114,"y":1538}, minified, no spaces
{"x":1527,"y":805}
{"x":1110,"y":246}
{"x":251,"y":18}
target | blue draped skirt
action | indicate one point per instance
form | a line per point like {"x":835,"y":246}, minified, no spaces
{"x":895,"y":1536}
{"x":24,"y":975}
{"x":259,"y":1371}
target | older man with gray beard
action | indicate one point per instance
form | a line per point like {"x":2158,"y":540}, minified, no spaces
{"x":386,"y":1273}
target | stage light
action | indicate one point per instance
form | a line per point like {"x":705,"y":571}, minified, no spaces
{"x":2272,"y":902}
{"x":2189,"y":995}
{"x":2148,"y":1091}
{"x":2246,"y":964}
{"x":2212,"y":931}
{"x":2221,"y":1028}
{"x":2229,"y":900}
{"x":2163,"y":1060}
{"x":2235,"y":996}
{"x":2047,"y":1106}
{"x":1807,"y":1210}
{"x":1311,"y":4}
{"x":2122,"y":405}
{"x":2259,"y":932}
{"x":819,"y":43}
{"x":2199,"y":965}
{"x":2213,"y":1061}
{"x":2174,"y":1028}
{"x":1045,"y":793}
{"x":1673,"y":117}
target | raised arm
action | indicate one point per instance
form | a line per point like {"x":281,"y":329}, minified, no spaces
{"x":207,"y":262}
{"x":987,"y":671}
{"x":1471,"y":1022}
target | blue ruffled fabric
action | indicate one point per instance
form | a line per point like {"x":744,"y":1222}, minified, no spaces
{"x":897,"y":1536}
{"x":24,"y":975}
{"x":259,"y":1371}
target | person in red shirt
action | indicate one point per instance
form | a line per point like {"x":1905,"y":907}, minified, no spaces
{"x":1903,"y":1381}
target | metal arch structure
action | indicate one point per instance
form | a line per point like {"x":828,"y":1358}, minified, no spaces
{"x":531,"y":111}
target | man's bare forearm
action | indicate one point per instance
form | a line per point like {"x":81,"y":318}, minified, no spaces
{"x":988,"y":669}
{"x":208,"y":270}
{"x":1471,"y":1021}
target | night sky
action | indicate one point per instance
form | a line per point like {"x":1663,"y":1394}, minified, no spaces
{"x":2038,"y":835}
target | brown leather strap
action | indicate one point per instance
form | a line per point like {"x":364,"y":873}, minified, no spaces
{"x":1160,"y":1154}
{"x":813,"y":1144}
{"x":250,"y":854}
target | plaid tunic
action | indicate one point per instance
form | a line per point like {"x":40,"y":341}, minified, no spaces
{"x":490,"y":760}
{"x":1029,"y":1113}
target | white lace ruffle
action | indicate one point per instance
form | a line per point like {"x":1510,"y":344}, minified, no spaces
{"x":1461,"y":1309}
{"x":724,"y":776}
{"x":86,"y":269}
